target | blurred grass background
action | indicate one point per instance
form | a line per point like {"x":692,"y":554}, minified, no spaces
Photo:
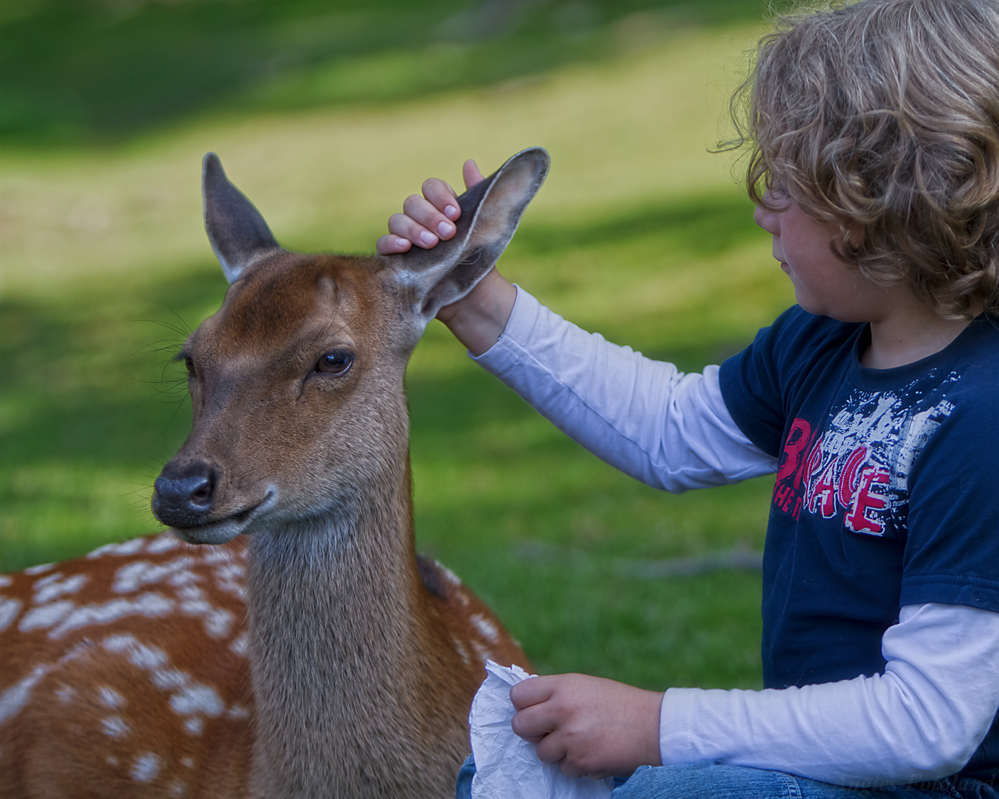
{"x":327,"y":114}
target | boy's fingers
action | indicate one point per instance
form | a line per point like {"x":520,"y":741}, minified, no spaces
{"x":531,"y":691}
{"x":428,"y":219}
{"x":404,"y":227}
{"x":442,"y":197}
{"x":419,"y":218}
{"x":533,"y":723}
{"x":390,"y":244}
{"x":471,"y":174}
{"x":552,"y":750}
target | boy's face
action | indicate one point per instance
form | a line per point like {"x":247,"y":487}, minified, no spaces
{"x":823,"y":284}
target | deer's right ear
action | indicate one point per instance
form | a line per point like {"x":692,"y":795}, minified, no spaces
{"x":237,"y":232}
{"x":490,"y":213}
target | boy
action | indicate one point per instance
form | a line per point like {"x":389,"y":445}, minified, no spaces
{"x":874,"y":130}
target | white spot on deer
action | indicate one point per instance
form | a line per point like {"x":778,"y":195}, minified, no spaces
{"x":164,"y":542}
{"x":131,"y":547}
{"x":177,"y":788}
{"x":5,"y":581}
{"x":197,"y":699}
{"x":459,"y":647}
{"x":16,"y":697}
{"x":189,"y":698}
{"x":133,"y":576}
{"x":230,"y":571}
{"x":115,"y":727}
{"x":110,"y":698}
{"x":150,"y":605}
{"x":41,"y":568}
{"x":217,"y":621}
{"x":145,"y":657}
{"x":230,"y":578}
{"x":46,"y":616}
{"x":187,"y":762}
{"x":146,"y":767}
{"x":169,"y":679}
{"x":65,"y":694}
{"x":449,"y":575}
{"x":238,"y":712}
{"x":481,"y":653}
{"x":55,"y":586}
{"x":183,"y":578}
{"x":111,"y":760}
{"x":240,"y":645}
{"x":9,"y":608}
{"x":216,"y":555}
{"x":486,"y":628}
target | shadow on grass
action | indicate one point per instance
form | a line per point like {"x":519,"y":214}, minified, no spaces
{"x":75,"y":72}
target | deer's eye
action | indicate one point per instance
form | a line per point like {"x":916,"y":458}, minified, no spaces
{"x":336,"y":363}
{"x":187,"y":359}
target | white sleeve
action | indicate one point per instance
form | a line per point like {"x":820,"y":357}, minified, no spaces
{"x":666,"y":428}
{"x":920,"y":720}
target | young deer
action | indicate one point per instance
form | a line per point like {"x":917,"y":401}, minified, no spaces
{"x":317,"y":655}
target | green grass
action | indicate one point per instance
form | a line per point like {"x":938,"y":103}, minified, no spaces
{"x":640,"y":233}
{"x":106,"y":70}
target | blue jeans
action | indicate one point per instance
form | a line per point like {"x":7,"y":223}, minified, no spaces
{"x":711,"y":781}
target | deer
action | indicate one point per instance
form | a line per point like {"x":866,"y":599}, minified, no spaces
{"x":282,"y":638}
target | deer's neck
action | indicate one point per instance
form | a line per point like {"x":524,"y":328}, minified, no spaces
{"x":335,"y":623}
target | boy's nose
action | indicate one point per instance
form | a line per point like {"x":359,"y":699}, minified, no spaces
{"x":768,"y":220}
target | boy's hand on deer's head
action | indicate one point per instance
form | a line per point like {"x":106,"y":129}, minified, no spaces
{"x":479,"y":319}
{"x":425,"y":220}
{"x":589,"y":726}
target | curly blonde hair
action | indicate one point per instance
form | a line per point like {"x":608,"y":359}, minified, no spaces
{"x":882,"y":116}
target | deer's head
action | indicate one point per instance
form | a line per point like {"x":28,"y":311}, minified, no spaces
{"x":296,"y":382}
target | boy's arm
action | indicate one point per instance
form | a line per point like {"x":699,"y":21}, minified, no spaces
{"x":920,"y":720}
{"x":668,"y":429}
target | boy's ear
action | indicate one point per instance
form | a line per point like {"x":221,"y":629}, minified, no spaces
{"x":237,"y":232}
{"x":490,"y":213}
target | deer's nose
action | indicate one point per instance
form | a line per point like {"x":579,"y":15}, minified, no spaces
{"x":184,"y":495}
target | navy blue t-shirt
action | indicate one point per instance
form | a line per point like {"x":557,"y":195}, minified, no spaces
{"x":886,"y":495}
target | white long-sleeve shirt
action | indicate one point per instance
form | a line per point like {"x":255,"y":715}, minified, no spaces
{"x":921,"y":719}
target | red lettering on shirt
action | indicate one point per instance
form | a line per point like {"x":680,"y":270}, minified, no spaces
{"x":865,"y":501}
{"x":827,"y":479}
{"x":799,"y":438}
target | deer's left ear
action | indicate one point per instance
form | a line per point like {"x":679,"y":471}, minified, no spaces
{"x":490,"y":213}
{"x":237,"y":232}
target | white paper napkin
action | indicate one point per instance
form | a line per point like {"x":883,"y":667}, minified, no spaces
{"x":506,"y":767}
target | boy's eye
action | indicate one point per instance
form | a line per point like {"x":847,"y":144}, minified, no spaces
{"x":777,"y":194}
{"x":777,"y":190}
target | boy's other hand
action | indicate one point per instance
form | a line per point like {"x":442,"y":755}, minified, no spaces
{"x":589,"y":726}
{"x":426,"y":220}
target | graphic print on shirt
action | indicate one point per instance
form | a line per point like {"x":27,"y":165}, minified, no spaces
{"x":857,"y":466}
